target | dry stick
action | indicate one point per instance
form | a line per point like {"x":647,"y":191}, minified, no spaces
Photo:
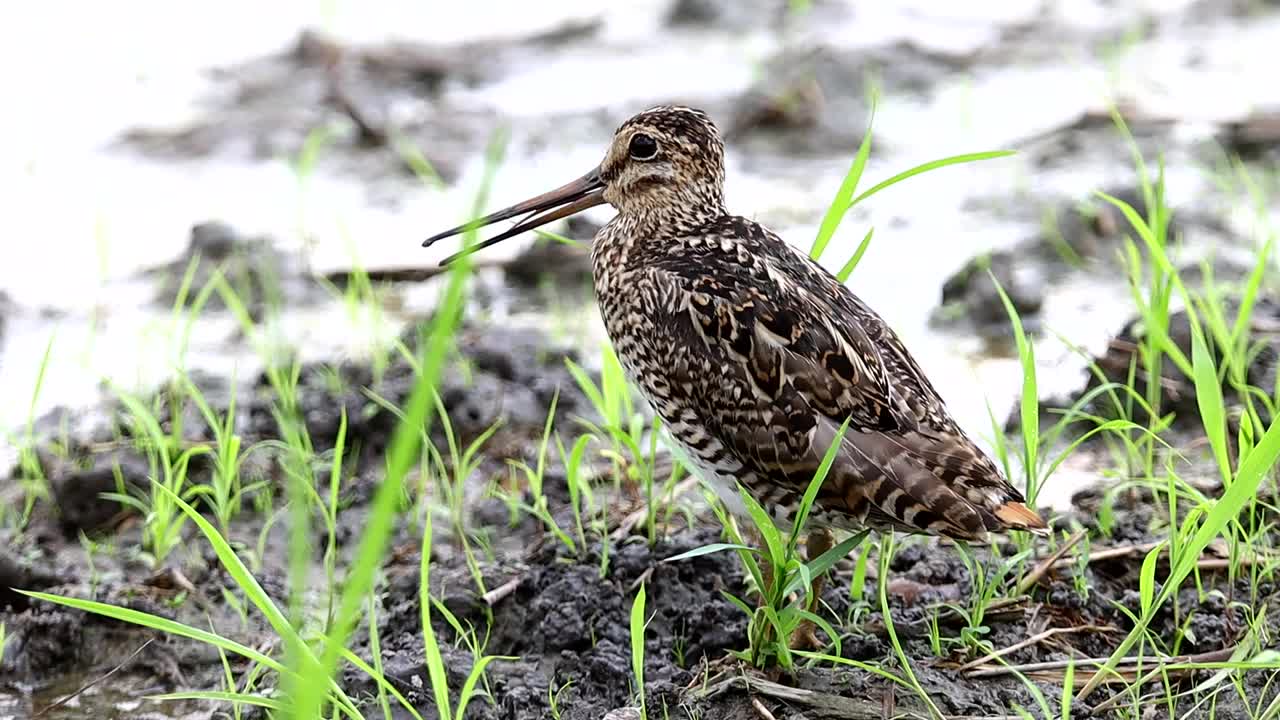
{"x":1040,"y":569}
{"x":761,"y":710}
{"x":1130,"y":663}
{"x":823,"y":705}
{"x":1224,"y":655}
{"x":1034,"y":639}
{"x":644,"y":578}
{"x":500,"y":593}
{"x":341,"y":278}
{"x":1098,"y":555}
{"x":1124,"y":551}
{"x":77,"y":693}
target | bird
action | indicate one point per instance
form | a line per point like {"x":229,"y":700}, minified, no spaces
{"x":756,"y":358}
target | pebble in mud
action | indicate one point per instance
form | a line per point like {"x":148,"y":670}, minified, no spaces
{"x":1078,"y":235}
{"x":973,"y":292}
{"x":256,"y":269}
{"x":15,"y":573}
{"x":1256,"y":136}
{"x":78,"y":428}
{"x":747,"y":14}
{"x":1178,"y":393}
{"x":77,"y":491}
{"x":806,"y":97}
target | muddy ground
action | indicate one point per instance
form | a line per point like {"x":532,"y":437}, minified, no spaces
{"x":565,"y":623}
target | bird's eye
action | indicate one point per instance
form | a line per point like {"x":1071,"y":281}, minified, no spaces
{"x":643,"y":147}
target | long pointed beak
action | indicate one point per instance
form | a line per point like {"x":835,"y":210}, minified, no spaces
{"x":570,"y":199}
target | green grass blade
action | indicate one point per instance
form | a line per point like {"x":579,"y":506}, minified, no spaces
{"x":431,"y":648}
{"x":1029,"y":406}
{"x":236,"y":568}
{"x":1147,"y":578}
{"x":932,"y":165}
{"x":842,"y":201}
{"x":815,"y":484}
{"x":707,"y":550}
{"x":866,"y":667}
{"x":774,"y":548}
{"x":637,"y":647}
{"x":161,"y":624}
{"x":1155,"y":249}
{"x":828,"y":559}
{"x":852,"y":263}
{"x":382,"y":682}
{"x":469,"y":686}
{"x":226,"y":697}
{"x":1209,"y":400}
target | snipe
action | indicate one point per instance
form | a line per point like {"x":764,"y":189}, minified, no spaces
{"x":753,"y":355}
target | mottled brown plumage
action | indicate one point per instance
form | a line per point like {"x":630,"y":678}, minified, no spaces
{"x":753,"y":355}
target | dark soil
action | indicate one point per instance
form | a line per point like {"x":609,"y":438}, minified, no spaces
{"x":566,"y":622}
{"x":261,"y":275}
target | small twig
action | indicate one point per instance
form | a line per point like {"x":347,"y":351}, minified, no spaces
{"x":1217,"y":655}
{"x":1126,"y":551}
{"x":1126,"y":665}
{"x":1043,"y":566}
{"x":342,"y":278}
{"x":822,"y":705}
{"x":1034,"y":639}
{"x":500,"y":593}
{"x":371,"y":123}
{"x":761,"y":710}
{"x":1116,"y":553}
{"x":644,"y":578}
{"x":77,"y":693}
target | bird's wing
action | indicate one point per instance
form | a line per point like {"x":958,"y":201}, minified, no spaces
{"x":797,"y":363}
{"x":780,"y":328}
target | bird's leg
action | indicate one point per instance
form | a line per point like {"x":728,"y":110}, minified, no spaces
{"x":818,"y":542}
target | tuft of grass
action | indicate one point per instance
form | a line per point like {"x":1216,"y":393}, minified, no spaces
{"x":1193,"y":529}
{"x":35,"y":486}
{"x":169,"y":462}
{"x":431,"y":647}
{"x":779,"y":573}
{"x":630,"y":444}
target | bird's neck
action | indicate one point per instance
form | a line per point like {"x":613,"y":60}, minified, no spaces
{"x":647,"y":227}
{"x":646,"y":231}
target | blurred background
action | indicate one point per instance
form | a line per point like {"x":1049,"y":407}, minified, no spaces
{"x":321,"y":141}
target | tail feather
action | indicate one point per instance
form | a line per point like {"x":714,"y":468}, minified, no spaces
{"x":1018,"y":516}
{"x":918,"y":482}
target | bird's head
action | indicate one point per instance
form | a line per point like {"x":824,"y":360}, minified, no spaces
{"x":665,"y":164}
